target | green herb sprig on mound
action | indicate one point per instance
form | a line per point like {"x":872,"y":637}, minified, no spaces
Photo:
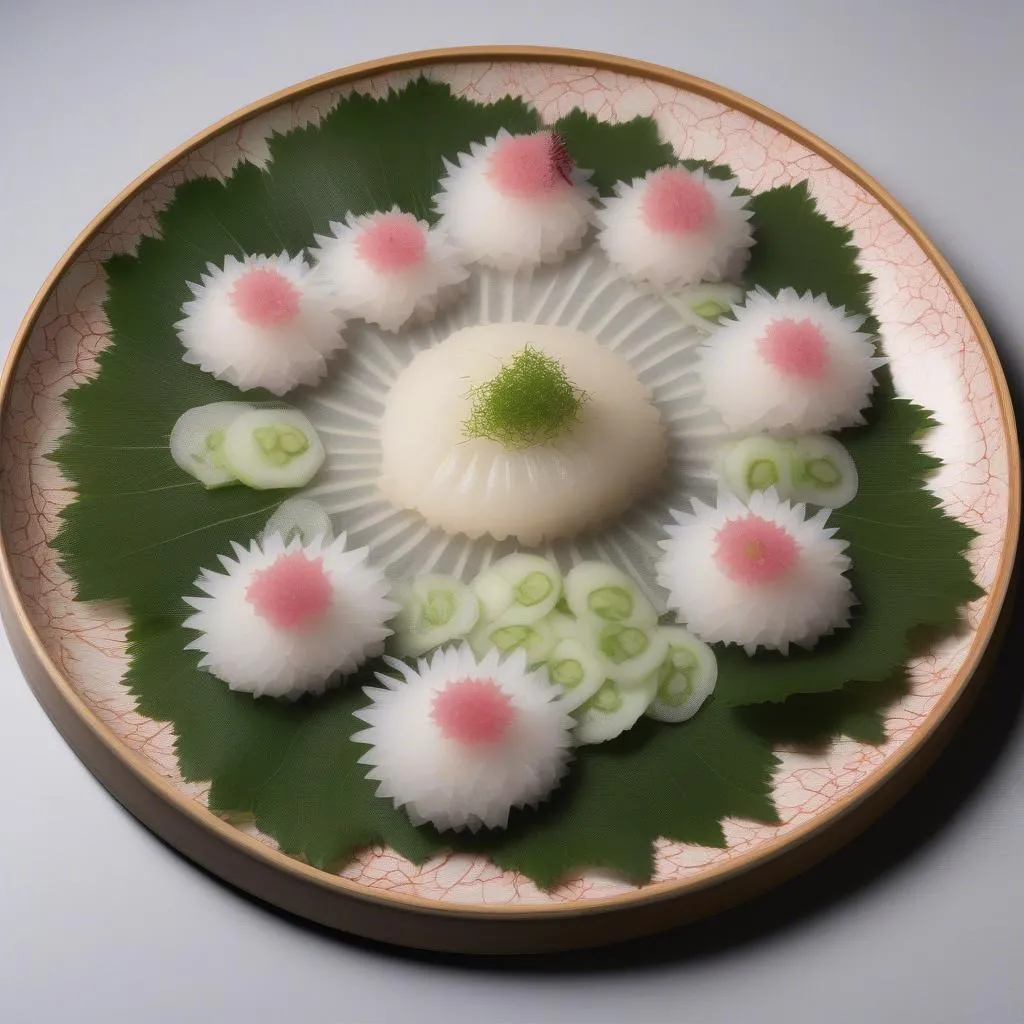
{"x":529,"y":401}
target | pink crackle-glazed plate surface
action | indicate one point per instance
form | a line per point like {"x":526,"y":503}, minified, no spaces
{"x":937,"y":359}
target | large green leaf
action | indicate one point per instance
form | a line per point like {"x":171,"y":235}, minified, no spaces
{"x":138,"y":531}
{"x":367,"y":154}
{"x":674,"y":782}
{"x":289,"y":766}
{"x":814,"y":720}
{"x":614,"y":152}
{"x":623,"y":151}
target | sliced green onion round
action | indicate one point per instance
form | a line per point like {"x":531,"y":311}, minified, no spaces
{"x":197,"y":442}
{"x":755,"y":464}
{"x":824,"y":472}
{"x":598,"y":594}
{"x":573,"y":667}
{"x":611,"y":711}
{"x":519,"y":588}
{"x":268,"y":448}
{"x":435,"y":610}
{"x":508,"y":635}
{"x":686,"y":677}
{"x":302,"y":518}
{"x":631,"y":656}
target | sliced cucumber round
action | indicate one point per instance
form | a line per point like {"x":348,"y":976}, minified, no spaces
{"x":197,"y":442}
{"x":507,"y":635}
{"x":686,"y":678}
{"x":824,"y":472}
{"x":712,"y":301}
{"x":573,"y":667}
{"x":703,"y":305}
{"x":611,"y":711}
{"x":435,"y":609}
{"x":269,"y":448}
{"x":519,"y":588}
{"x":302,"y":518}
{"x":565,"y":626}
{"x":630,"y":655}
{"x":755,"y":464}
{"x":599,"y":594}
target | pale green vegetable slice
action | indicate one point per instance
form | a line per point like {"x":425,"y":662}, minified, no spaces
{"x":268,"y":448}
{"x":612,"y":710}
{"x":704,"y":305}
{"x":519,"y":588}
{"x":630,"y":655}
{"x":824,"y":472}
{"x":197,"y":442}
{"x":564,"y":626}
{"x":599,"y":594}
{"x":302,"y":518}
{"x":712,"y":301}
{"x":574,"y":667}
{"x":507,"y":635}
{"x":686,"y":677}
{"x":435,"y":610}
{"x":493,"y":592}
{"x":755,"y":464}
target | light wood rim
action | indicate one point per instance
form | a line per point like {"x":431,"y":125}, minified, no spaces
{"x":409,"y":920}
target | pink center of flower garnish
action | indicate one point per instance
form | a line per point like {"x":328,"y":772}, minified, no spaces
{"x":754,"y":551}
{"x":530,"y":166}
{"x":795,"y":349}
{"x":473,"y":711}
{"x":392,"y":242}
{"x":292,"y":592}
{"x":264,"y":297}
{"x":675,"y":203}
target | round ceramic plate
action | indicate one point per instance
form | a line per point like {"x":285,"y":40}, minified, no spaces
{"x":74,"y":654}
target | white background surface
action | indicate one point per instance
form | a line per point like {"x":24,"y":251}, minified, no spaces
{"x":921,"y":919}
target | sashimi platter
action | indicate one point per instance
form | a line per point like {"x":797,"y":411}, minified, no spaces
{"x":478,"y":495}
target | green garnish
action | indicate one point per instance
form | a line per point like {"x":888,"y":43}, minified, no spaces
{"x":620,"y":643}
{"x":613,"y":603}
{"x":606,"y":699}
{"x":533,"y":589}
{"x":822,"y":472}
{"x":762,"y":474}
{"x":709,"y":309}
{"x":439,"y":607}
{"x":568,"y":673}
{"x":508,"y":638}
{"x":529,"y":401}
{"x":280,"y":444}
{"x":214,"y":446}
{"x":675,"y":684}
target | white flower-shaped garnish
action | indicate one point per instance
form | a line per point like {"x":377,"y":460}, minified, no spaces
{"x":261,"y":322}
{"x":388,"y":268}
{"x":283,"y":620}
{"x":757,"y":575}
{"x":458,"y":742}
{"x":676,"y":227}
{"x":515,"y":201}
{"x":789,"y":363}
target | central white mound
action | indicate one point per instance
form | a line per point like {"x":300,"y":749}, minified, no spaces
{"x":594,"y":468}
